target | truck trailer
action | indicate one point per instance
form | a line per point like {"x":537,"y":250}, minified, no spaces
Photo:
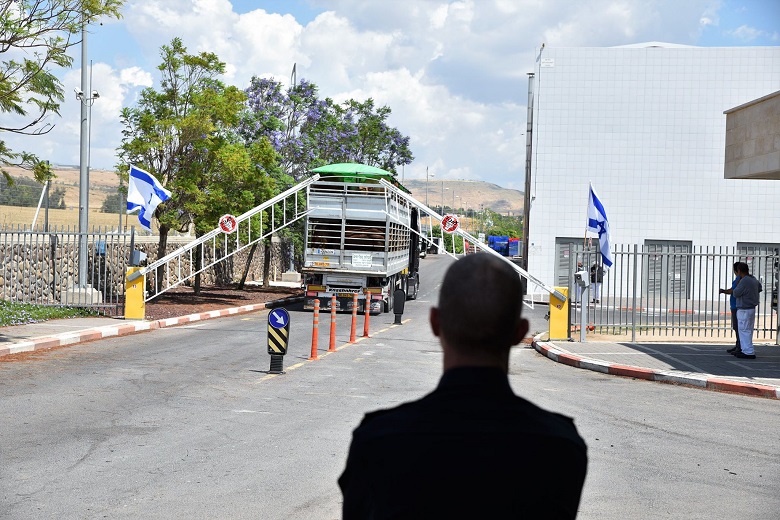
{"x":360,"y":238}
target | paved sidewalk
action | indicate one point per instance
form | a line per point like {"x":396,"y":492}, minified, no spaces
{"x":43,"y":335}
{"x":58,"y":333}
{"x":704,"y":365}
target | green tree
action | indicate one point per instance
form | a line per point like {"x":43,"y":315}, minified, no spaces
{"x":113,"y":203}
{"x":39,"y":32}
{"x":374,"y":142}
{"x":184,"y":135}
{"x":502,"y":225}
{"x":21,"y":191}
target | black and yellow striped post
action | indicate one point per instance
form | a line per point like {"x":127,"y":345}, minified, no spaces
{"x":278,"y":337}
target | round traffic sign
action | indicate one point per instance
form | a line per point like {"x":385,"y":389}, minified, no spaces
{"x":449,"y":223}
{"x":279,"y":318}
{"x":227,"y":223}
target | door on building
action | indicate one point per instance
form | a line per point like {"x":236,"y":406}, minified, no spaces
{"x":569,"y":251}
{"x":566,"y":251}
{"x":763,"y":261}
{"x":667,"y":271}
{"x":760,"y":259}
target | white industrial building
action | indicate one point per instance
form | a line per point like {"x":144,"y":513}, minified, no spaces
{"x":646,"y":125}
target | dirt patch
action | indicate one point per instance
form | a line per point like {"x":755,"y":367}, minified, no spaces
{"x":183,"y":300}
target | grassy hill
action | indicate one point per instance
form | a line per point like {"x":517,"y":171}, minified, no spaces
{"x":468,"y":194}
{"x":101,"y":184}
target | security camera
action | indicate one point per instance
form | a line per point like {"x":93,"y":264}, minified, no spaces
{"x":79,"y":93}
{"x":95,"y":94}
{"x":582,"y":278}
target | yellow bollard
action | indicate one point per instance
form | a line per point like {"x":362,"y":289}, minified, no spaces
{"x":559,"y":315}
{"x":135,"y":307}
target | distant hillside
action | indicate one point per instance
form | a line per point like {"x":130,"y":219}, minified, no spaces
{"x":101,"y":184}
{"x":468,"y":194}
{"x":472,"y":194}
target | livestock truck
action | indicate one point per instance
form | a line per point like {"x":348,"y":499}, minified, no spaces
{"x":360,"y":238}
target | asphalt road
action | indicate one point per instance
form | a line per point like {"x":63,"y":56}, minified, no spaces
{"x":186,"y":423}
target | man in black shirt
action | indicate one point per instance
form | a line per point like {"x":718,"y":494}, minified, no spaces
{"x":471,"y":448}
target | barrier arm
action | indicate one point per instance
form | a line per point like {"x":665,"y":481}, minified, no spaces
{"x":467,"y":236}
{"x":217,"y":231}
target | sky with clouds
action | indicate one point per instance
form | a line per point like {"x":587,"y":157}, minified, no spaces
{"x":453,"y":72}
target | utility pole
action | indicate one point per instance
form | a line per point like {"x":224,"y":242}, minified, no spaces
{"x":84,"y":158}
{"x":527,"y":194}
{"x":82,"y":293}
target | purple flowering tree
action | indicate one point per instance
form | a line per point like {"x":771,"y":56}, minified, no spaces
{"x":308,"y":131}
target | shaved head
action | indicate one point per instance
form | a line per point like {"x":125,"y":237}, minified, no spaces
{"x":479,"y":311}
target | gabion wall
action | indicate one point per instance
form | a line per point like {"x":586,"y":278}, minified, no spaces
{"x":40,"y":267}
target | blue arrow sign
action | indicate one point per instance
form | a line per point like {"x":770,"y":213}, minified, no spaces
{"x":279,"y":318}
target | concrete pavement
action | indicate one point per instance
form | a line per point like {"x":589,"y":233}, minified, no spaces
{"x":703,"y":365}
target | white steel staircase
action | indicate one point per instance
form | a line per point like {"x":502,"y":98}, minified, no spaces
{"x":533,"y":282}
{"x":251,"y":227}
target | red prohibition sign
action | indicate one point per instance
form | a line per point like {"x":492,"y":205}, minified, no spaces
{"x":449,"y":223}
{"x":227,"y":223}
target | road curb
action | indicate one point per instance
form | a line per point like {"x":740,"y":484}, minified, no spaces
{"x":284,"y":301}
{"x":662,"y":376}
{"x":123,"y":329}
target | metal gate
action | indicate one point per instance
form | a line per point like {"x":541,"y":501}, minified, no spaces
{"x":671,"y":289}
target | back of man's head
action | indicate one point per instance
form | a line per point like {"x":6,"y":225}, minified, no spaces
{"x":743,"y":268}
{"x":480,"y":304}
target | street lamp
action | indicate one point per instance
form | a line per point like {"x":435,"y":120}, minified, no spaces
{"x":427,"y":179}
{"x":442,"y":196}
{"x":86,"y":96}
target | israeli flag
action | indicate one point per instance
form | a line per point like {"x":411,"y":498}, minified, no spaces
{"x":598,"y":224}
{"x":145,"y":193}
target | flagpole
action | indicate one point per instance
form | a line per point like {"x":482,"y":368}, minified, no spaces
{"x":587,"y":205}
{"x":585,"y":293}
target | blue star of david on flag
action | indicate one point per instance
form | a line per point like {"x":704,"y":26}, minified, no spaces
{"x":599,"y":225}
{"x":144,"y":193}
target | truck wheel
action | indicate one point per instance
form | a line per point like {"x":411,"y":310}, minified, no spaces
{"x":389,"y":304}
{"x":411,"y":293}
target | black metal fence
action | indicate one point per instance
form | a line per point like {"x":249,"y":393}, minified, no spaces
{"x":652,"y":291}
{"x":43,"y":267}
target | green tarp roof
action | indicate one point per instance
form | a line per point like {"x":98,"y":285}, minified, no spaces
{"x":356,"y":172}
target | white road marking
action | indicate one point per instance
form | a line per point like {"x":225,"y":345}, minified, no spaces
{"x":197,"y":325}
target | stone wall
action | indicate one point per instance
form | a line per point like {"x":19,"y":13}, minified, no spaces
{"x":39,"y":268}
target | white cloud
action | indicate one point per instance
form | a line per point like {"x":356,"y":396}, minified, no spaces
{"x":453,"y":72}
{"x":135,"y":77}
{"x":748,"y":34}
{"x":709,"y":17}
